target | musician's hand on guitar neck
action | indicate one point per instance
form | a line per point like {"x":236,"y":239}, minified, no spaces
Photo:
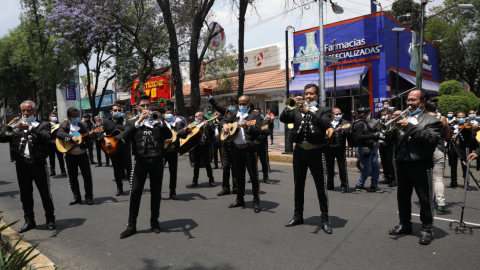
{"x":340,"y":129}
{"x":75,"y":139}
{"x":225,"y":129}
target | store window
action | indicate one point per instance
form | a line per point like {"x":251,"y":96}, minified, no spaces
{"x":273,"y":106}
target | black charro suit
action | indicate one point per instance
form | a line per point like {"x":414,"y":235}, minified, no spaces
{"x":262,"y":148}
{"x":336,"y":150}
{"x":171,"y":155}
{"x":414,"y":148}
{"x":202,"y":151}
{"x":32,"y":169}
{"x":311,"y":128}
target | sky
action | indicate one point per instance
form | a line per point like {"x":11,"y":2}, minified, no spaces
{"x":264,"y":26}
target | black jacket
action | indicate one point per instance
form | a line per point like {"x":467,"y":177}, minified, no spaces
{"x":208,"y":132}
{"x":417,"y":142}
{"x":180,"y":133}
{"x":223,"y":110}
{"x":109,"y":126}
{"x":136,"y":136}
{"x":365,"y":135}
{"x":64,"y":132}
{"x":263,"y":138}
{"x":320,"y":121}
{"x":37,"y":143}
{"x":254,"y":131}
{"x":340,"y":137}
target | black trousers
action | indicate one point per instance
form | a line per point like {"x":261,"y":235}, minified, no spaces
{"x":415,"y":175}
{"x":172,"y":159}
{"x":228,"y":159}
{"x":386,"y":156}
{"x":215,"y":145}
{"x":246,"y":159}
{"x":315,"y":161}
{"x":37,"y":172}
{"x":52,"y":151}
{"x":99,"y":154}
{"x":453,"y":161}
{"x":262,"y":152}
{"x":121,"y":162}
{"x":73,"y":163}
{"x":202,"y":151}
{"x":338,"y":153}
{"x":143,"y":166}
{"x":89,"y":144}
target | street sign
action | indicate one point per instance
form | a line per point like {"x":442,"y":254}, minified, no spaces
{"x":314,"y":58}
{"x":331,"y":59}
{"x":8,"y":110}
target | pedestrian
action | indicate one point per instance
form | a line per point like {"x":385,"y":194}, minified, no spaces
{"x":271,"y":116}
{"x":53,"y":151}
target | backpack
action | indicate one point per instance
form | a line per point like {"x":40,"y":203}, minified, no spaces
{"x":350,"y":134}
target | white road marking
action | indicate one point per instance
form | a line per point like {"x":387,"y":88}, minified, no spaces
{"x":475,"y":224}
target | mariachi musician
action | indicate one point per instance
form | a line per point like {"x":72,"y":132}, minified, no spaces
{"x":227,"y":147}
{"x":121,"y":158}
{"x":202,"y":151}
{"x":29,"y":140}
{"x":245,"y":151}
{"x":310,"y":124}
{"x":171,"y":152}
{"x":77,"y":157}
{"x":52,"y":149}
{"x":386,"y":149}
{"x":262,"y":146}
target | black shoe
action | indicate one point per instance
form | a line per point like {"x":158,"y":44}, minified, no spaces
{"x":52,"y":173}
{"x":93,"y":163}
{"x":194,"y":184}
{"x":234,"y":191}
{"x":425,"y":239}
{"x":375,"y":189}
{"x":223,"y":192}
{"x":359,"y":188}
{"x":216,"y":167}
{"x":128,"y":232}
{"x":265,"y":179}
{"x":88,"y":201}
{"x":452,"y":185}
{"x":27,"y":227}
{"x":212,"y":184}
{"x":400,"y":230}
{"x":237,"y":203}
{"x":107,"y":164}
{"x":271,"y":143}
{"x":249,"y":180}
{"x":156,"y":229}
{"x":64,"y":173}
{"x":330,"y":188}
{"x":257,"y":208}
{"x":99,"y":165}
{"x":51,"y":225}
{"x":76,"y":200}
{"x":294,"y":222}
{"x":393,"y":183}
{"x":344,"y":189}
{"x":119,"y":192}
{"x":327,"y":228}
{"x":11,"y":160}
{"x":173,"y":196}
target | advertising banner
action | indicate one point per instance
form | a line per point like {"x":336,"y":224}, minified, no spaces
{"x":107,"y":100}
{"x":102,"y":79}
{"x":71,"y":90}
{"x":157,"y":88}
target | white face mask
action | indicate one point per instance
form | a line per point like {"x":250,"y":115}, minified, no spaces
{"x":337,"y":117}
{"x":29,"y":119}
{"x":369,"y":117}
{"x":384,"y":117}
{"x":54,"y":119}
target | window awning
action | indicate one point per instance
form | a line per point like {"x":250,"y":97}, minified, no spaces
{"x":427,"y":85}
{"x":346,"y":79}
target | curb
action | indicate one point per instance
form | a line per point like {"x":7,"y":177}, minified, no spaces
{"x":286,"y":158}
{"x":9,"y":238}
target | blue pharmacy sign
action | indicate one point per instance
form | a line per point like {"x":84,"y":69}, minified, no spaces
{"x":71,"y":91}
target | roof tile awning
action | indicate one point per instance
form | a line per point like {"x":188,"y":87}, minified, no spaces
{"x":427,"y":85}
{"x":346,"y":79}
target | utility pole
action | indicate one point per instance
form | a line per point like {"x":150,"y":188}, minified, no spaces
{"x":321,"y":61}
{"x":78,"y":94}
{"x":334,"y":76}
{"x":288,"y":134}
{"x":420,"y":47}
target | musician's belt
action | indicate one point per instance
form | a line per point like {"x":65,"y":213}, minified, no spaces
{"x":30,"y":160}
{"x":334,"y":145}
{"x":309,"y":146}
{"x":216,"y":137}
{"x":243,"y":146}
{"x":76,"y":153}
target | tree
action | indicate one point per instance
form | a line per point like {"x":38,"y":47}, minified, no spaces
{"x":242,"y":8}
{"x":460,"y":46}
{"x":454,"y":98}
{"x":403,"y":7}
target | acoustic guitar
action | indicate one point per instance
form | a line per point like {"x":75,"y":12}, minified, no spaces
{"x":233,"y":130}
{"x":53,"y":132}
{"x":67,"y":146}
{"x":193,"y":138}
{"x":115,"y":140}
{"x":330,"y":133}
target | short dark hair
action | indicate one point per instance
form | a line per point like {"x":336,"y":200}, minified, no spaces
{"x":87,"y":116}
{"x":461,"y":112}
{"x":168,"y":109}
{"x":450,"y":111}
{"x":311,"y":85}
{"x":257,"y":109}
{"x":53,"y":113}
{"x":431,"y":104}
{"x":143,"y":97}
{"x":71,"y":110}
{"x":386,"y":100}
{"x":115,"y":105}
{"x":233,"y":99}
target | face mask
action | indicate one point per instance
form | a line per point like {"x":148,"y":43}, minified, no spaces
{"x":369,"y":117}
{"x":313,"y":104}
{"x":54,"y":119}
{"x":461,"y":120}
{"x":449,"y":115}
{"x":385,"y":106}
{"x":243,"y":109}
{"x":209,"y":112}
{"x":337,"y":117}
{"x":169,"y":117}
{"x":472,"y":116}
{"x":384,"y":117}
{"x":117,"y":114}
{"x":75,"y":121}
{"x":30,"y":119}
{"x":123,"y":114}
{"x":414,"y":112}
{"x":232,"y":109}
{"x":197,"y":121}
{"x":261,"y":116}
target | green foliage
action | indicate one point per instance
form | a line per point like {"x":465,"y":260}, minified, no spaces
{"x":454,"y":98}
{"x":451,"y":87}
{"x":402,"y":7}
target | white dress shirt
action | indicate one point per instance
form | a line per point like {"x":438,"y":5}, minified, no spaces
{"x":240,"y":139}
{"x":335,"y":123}
{"x":75,"y":128}
{"x":26,"y":153}
{"x":414,"y":119}
{"x":146,"y":122}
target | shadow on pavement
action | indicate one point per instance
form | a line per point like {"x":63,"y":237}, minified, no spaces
{"x":10,"y":194}
{"x":63,"y":224}
{"x":5,"y":183}
{"x":153,"y":264}
{"x":191,"y":196}
{"x":101,"y":200}
{"x":335,"y":222}
{"x":179,"y":225}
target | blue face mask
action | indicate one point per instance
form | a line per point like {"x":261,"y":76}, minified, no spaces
{"x":414,"y":112}
{"x":449,"y":115}
{"x":123,"y":114}
{"x":472,"y":116}
{"x":232,"y":109}
{"x":243,"y":109}
{"x":75,"y":121}
{"x":169,"y":117}
{"x":117,"y":114}
{"x":461,"y":120}
{"x":197,"y":121}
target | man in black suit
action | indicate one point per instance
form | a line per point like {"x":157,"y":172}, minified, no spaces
{"x":52,"y":150}
{"x":415,"y":139}
{"x":262,"y":146}
{"x":202,"y":151}
{"x":29,"y":149}
{"x":245,"y":151}
{"x":216,"y":142}
{"x":336,"y":149}
{"x":147,"y":139}
{"x":227,"y":148}
{"x":386,"y":154}
{"x":311,"y":122}
{"x":121,"y":159}
{"x":88,"y":140}
{"x":171,"y":152}
{"x":78,"y":157}
{"x":98,"y":146}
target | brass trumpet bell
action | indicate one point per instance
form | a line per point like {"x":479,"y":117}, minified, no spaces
{"x":291,"y":103}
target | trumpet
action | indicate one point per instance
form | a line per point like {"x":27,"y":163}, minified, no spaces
{"x":155,"y":117}
{"x":387,"y":127}
{"x":291,"y":103}
{"x":7,"y":130}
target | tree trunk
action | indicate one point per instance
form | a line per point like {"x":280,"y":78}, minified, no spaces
{"x":241,"y":37}
{"x":194,"y":68}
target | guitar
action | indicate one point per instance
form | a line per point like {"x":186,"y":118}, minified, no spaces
{"x":53,"y":132}
{"x":115,"y":140}
{"x":67,"y":146}
{"x":193,"y":138}
{"x":330,"y":132}
{"x":233,"y":130}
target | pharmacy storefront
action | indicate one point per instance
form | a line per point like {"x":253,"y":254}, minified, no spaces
{"x":366,"y":49}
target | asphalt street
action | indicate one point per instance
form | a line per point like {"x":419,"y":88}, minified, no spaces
{"x":200,"y":232}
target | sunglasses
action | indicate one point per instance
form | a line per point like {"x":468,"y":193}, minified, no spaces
{"x":144,"y":105}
